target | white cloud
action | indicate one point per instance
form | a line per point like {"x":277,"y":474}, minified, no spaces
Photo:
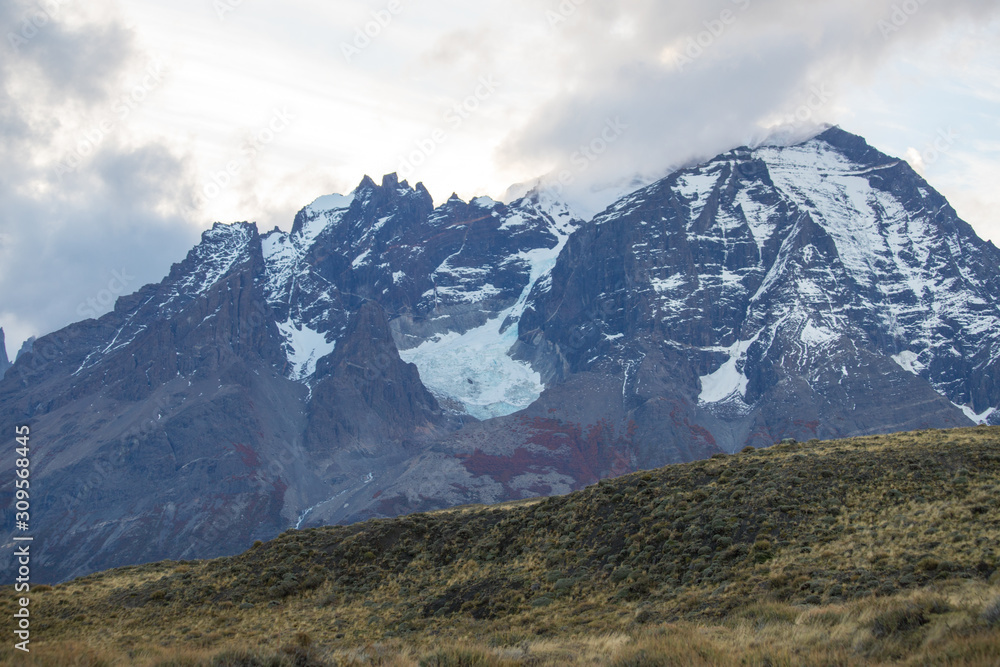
{"x":916,"y":160}
{"x":689,"y":79}
{"x":82,"y":196}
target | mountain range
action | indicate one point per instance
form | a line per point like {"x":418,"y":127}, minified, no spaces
{"x":387,"y":356}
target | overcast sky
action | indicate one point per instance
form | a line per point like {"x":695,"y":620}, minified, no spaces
{"x":126,"y":128}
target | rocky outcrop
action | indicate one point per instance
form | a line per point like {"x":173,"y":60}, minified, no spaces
{"x":365,"y":397}
{"x":4,"y":361}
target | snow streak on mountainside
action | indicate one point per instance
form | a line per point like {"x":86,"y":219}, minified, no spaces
{"x":306,"y":336}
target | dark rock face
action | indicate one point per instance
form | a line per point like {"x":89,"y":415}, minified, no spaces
{"x":387,"y":356}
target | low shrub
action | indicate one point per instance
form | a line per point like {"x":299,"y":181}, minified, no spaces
{"x":898,"y":620}
{"x":991,"y":614}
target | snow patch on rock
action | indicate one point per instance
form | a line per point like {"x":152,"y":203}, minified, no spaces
{"x":728,"y":384}
{"x":909,"y":361}
{"x":303,"y":348}
{"x":979,"y":419}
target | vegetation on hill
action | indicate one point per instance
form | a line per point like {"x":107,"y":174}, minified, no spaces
{"x":874,"y":550}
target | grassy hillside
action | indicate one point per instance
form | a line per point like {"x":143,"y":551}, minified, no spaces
{"x":864,"y":551}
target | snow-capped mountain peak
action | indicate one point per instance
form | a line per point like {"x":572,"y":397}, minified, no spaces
{"x":785,"y":270}
{"x":334,"y":202}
